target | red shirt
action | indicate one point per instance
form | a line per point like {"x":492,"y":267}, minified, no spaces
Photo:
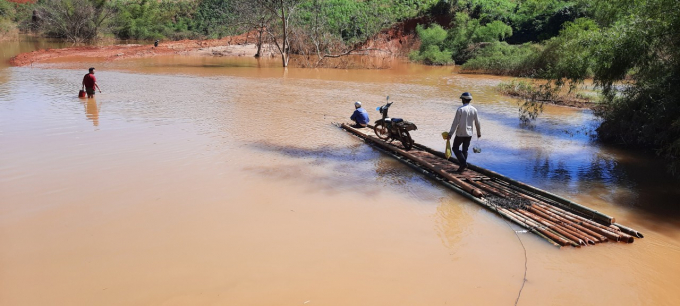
{"x":89,"y":80}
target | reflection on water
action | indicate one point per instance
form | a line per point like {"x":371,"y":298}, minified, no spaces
{"x":9,"y":49}
{"x":228,"y":172}
{"x":91,"y":110}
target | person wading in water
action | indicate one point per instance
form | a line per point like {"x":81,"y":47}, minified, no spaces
{"x":90,"y":83}
{"x":462,"y":127}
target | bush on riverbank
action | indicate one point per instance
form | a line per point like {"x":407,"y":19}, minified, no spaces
{"x":500,"y":58}
{"x":432,"y":42}
{"x":14,"y":16}
{"x":460,"y":42}
{"x":642,"y":50}
{"x":637,"y":44}
{"x":149,"y":20}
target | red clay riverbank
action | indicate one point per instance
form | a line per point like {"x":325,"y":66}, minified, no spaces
{"x":397,"y":40}
{"x":242,"y":45}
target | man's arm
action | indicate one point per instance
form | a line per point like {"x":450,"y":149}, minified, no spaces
{"x":454,"y":125}
{"x":95,"y":85}
{"x":479,"y":131}
{"x":354,"y":116}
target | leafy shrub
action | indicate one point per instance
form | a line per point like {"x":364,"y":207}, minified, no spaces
{"x":74,"y":20}
{"x":466,"y":32}
{"x":503,"y":59}
{"x":432,"y":41}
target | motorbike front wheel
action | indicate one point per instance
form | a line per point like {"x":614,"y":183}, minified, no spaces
{"x":381,"y":131}
{"x":406,"y":140}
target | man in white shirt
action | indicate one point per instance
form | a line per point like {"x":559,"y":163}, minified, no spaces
{"x":462,"y":129}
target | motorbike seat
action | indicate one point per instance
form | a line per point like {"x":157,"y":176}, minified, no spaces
{"x":397,"y":120}
{"x":388,"y":119}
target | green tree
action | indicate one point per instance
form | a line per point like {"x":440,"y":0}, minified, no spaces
{"x":75,"y":20}
{"x":467,"y":34}
{"x":139,"y":20}
{"x":432,"y":50}
{"x":642,"y":50}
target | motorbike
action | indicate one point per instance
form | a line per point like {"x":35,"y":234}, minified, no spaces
{"x":390,"y":129}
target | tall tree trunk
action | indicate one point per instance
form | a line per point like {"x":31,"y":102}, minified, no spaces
{"x":260,"y":32}
{"x":259,"y":44}
{"x":284,"y":51}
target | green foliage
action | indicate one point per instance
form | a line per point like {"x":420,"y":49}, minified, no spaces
{"x":355,"y":21}
{"x":213,"y":17}
{"x":15,"y":15}
{"x":467,"y":33}
{"x":632,"y":51}
{"x":6,"y":9}
{"x":434,"y":35}
{"x":6,"y":14}
{"x":139,"y":20}
{"x":566,"y":58}
{"x":150,"y":19}
{"x":461,"y":41}
{"x":74,"y":20}
{"x":645,"y":47}
{"x":431,"y":49}
{"x":500,"y":58}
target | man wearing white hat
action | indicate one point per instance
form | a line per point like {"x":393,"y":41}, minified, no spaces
{"x":462,"y":127}
{"x":360,"y":116}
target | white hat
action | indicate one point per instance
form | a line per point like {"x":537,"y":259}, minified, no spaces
{"x":357,"y":104}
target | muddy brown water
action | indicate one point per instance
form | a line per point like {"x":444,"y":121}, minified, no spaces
{"x":221,"y":181}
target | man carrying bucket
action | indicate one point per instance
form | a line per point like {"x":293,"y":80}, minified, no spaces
{"x":462,"y":127}
{"x":90,"y":83}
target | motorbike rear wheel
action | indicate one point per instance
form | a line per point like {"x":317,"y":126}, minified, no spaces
{"x":406,"y":140}
{"x":381,"y":131}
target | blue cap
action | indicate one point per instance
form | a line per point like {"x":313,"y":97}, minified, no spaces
{"x":466,"y":96}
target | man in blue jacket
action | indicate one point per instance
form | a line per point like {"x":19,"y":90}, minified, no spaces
{"x":360,"y":116}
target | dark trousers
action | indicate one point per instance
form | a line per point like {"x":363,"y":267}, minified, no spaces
{"x":461,"y":155}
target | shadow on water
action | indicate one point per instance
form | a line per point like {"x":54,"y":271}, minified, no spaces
{"x":656,"y":191}
{"x":332,"y":168}
{"x":634,"y":183}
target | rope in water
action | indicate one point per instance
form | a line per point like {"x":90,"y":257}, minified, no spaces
{"x":524,"y":280}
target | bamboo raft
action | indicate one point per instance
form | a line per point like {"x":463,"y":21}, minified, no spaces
{"x":556,"y":219}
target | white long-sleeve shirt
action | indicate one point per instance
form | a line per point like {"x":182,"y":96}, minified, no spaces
{"x":462,"y":123}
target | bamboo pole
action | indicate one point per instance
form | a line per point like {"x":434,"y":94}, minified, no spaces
{"x":525,"y":225}
{"x":511,"y":191}
{"x":629,"y":231}
{"x":589,"y":225}
{"x":560,"y":240}
{"x":503,"y":193}
{"x":607,"y":231}
{"x":575,"y":206}
{"x":589,"y":239}
{"x":573,"y":240}
{"x":448,"y":176}
{"x":596,"y":236}
{"x":485,"y":188}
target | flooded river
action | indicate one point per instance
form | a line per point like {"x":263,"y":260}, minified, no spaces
{"x":222,"y":181}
